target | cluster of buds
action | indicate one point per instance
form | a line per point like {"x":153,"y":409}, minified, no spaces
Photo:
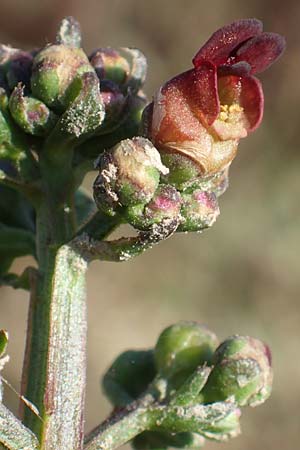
{"x":60,"y":91}
{"x":195,"y":378}
{"x":173,"y":173}
{"x":193,"y":126}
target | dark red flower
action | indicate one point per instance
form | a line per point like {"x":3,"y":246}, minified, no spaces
{"x":202,"y":113}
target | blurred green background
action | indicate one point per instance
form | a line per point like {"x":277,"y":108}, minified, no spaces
{"x":243,"y":275}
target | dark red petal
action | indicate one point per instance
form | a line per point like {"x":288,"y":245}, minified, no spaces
{"x":226,"y":39}
{"x":261,"y":51}
{"x":252,"y":100}
{"x":246,"y":92}
{"x":239,"y":69}
{"x":185,"y":106}
{"x":199,"y":86}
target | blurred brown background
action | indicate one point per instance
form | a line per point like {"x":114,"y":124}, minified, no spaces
{"x":240,"y":277}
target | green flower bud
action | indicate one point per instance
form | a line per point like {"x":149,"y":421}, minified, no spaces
{"x":199,"y":210}
{"x":128,"y":175}
{"x":164,"y":206}
{"x":12,"y":140}
{"x":31,"y":114}
{"x":181,"y":348}
{"x":54,"y":69}
{"x":242,"y":372}
{"x":129,"y":376}
{"x":182,"y":170}
{"x":109,"y":64}
{"x":126,"y":67}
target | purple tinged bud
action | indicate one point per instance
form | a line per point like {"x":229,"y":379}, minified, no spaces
{"x":16,"y":66}
{"x":164,"y":207}
{"x":199,"y":210}
{"x":109,"y":64}
{"x":128,"y":175}
{"x":113,"y":99}
{"x":32,"y":115}
{"x":19,"y":70}
{"x":242,"y":372}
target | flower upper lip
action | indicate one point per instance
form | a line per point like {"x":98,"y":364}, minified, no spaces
{"x":236,"y":51}
{"x":242,"y":41}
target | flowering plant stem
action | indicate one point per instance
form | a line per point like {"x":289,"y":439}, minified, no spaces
{"x":161,"y":170}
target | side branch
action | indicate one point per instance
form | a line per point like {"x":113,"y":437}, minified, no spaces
{"x":123,"y":249}
{"x":13,"y":434}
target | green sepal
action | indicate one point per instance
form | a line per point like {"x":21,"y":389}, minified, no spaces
{"x":129,"y":376}
{"x":85,"y":112}
{"x":181,"y":170}
{"x":188,"y":393}
{"x":32,"y":115}
{"x":127,"y":129}
{"x":217,"y":421}
{"x":69,"y":33}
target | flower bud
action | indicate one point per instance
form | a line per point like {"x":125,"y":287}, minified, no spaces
{"x":129,"y":376}
{"x":54,"y":69}
{"x":242,"y":371}
{"x":181,"y":348}
{"x":199,"y":210}
{"x":114,"y":102}
{"x":128,"y":175}
{"x":18,"y":69}
{"x":218,"y":183}
{"x":12,"y":140}
{"x":164,"y":206}
{"x":110,"y":65}
{"x":127,"y":67}
{"x":31,"y":114}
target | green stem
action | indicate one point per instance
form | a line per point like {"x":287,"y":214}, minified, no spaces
{"x":13,"y":434}
{"x":120,"y":429}
{"x":55,"y":356}
{"x":55,"y":370}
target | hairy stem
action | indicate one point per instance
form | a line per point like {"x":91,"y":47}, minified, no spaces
{"x":120,"y":429}
{"x":55,"y":372}
{"x":55,"y":359}
{"x":13,"y":434}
